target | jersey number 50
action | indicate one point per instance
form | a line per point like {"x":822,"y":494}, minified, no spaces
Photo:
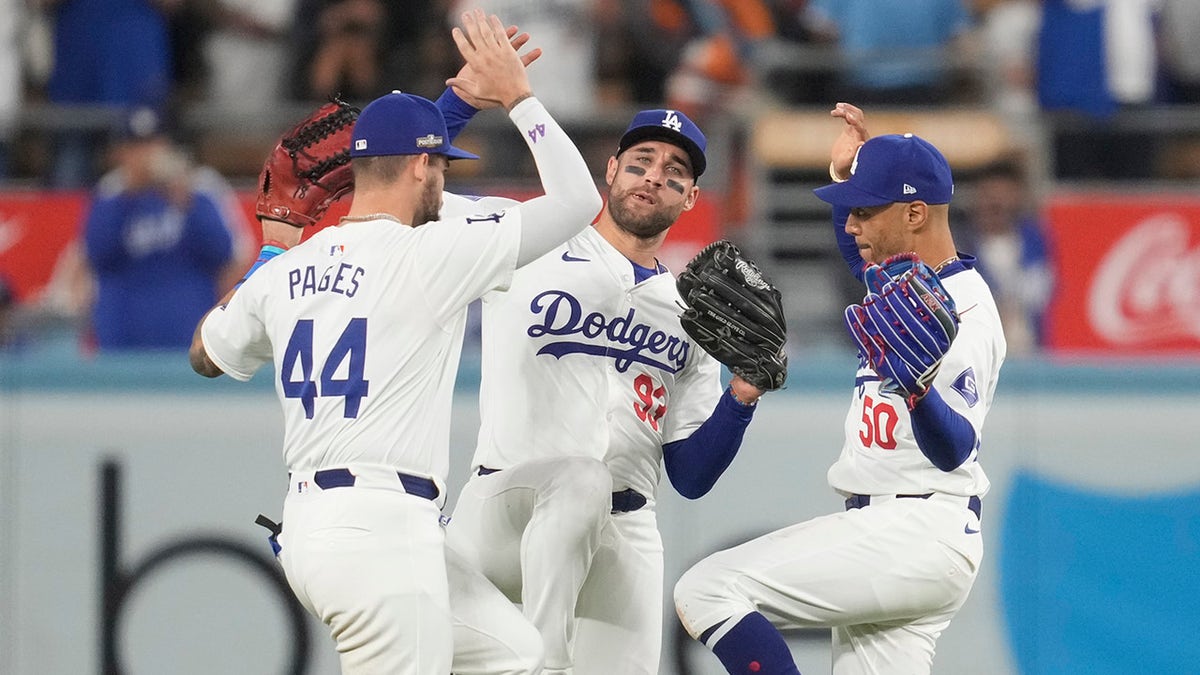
{"x":352,"y":344}
{"x":879,"y":424}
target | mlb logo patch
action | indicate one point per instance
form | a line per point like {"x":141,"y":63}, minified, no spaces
{"x":337,"y":249}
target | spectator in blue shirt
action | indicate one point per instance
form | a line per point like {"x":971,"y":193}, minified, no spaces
{"x":896,"y":50}
{"x":156,"y":241}
{"x":1003,"y":230}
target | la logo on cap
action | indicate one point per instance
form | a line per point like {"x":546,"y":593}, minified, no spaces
{"x":671,"y":121}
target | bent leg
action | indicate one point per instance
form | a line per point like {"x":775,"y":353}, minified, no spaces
{"x":888,"y":565}
{"x":491,"y":636}
{"x":532,"y":530}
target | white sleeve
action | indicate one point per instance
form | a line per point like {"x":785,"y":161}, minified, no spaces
{"x":234,"y":335}
{"x":472,"y":255}
{"x":456,"y":206}
{"x":571,"y":200}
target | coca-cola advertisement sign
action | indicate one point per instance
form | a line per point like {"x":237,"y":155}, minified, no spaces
{"x":1128,"y":275}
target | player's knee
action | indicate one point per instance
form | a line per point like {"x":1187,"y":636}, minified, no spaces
{"x":528,"y":653}
{"x":687,"y":590}
{"x":697,"y":593}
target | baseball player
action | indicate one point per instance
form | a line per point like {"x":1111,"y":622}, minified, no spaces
{"x":589,"y":385}
{"x":364,"y":322}
{"x":889,"y":572}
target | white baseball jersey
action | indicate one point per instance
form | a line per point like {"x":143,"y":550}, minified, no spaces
{"x":880,"y":454}
{"x":580,"y":360}
{"x":585,"y":375}
{"x":365,"y":321}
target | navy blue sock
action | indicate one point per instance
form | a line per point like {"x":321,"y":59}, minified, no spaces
{"x":755,"y":647}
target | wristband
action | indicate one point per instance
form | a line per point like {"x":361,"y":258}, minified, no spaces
{"x":834,"y":176}
{"x":740,"y":402}
{"x":270,"y":249}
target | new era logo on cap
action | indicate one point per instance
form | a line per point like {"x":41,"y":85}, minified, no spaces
{"x":670,"y":126}
{"x":893,"y":168}
{"x":402,"y":124}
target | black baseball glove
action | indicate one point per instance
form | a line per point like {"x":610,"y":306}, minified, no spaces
{"x":309,"y":169}
{"x":735,"y":314}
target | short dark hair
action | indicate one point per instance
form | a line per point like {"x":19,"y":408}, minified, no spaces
{"x":381,"y":169}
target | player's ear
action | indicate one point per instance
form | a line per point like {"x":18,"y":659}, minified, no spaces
{"x":690,"y":198}
{"x":916,"y":214}
{"x":419,"y":165}
{"x":610,"y":173}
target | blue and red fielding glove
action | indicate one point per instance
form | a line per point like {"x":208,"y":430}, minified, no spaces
{"x":904,"y":325}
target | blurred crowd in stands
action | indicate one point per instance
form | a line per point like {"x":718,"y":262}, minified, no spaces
{"x":253,"y":56}
{"x":93,"y":62}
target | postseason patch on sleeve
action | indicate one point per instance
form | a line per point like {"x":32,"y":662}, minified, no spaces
{"x":965,"y":385}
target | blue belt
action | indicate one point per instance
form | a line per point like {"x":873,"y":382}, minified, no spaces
{"x":974,"y":504}
{"x":327,"y":479}
{"x":625,"y":501}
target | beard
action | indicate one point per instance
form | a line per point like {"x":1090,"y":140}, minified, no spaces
{"x":430,"y":207}
{"x":643,"y":226}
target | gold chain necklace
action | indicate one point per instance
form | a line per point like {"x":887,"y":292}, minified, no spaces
{"x":938,"y":268}
{"x":370,"y":216}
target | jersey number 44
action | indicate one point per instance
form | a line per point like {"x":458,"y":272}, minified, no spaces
{"x":351,"y":346}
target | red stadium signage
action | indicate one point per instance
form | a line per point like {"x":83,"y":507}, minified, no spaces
{"x":1128,"y":275}
{"x":35,"y":228}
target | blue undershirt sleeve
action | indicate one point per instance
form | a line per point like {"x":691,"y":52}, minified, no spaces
{"x":456,"y":111}
{"x":695,"y":463}
{"x":944,"y":436}
{"x":845,"y":243}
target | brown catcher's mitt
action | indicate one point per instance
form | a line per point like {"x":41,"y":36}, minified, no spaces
{"x":309,"y":169}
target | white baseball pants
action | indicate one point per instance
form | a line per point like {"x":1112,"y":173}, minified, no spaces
{"x":532,"y":530}
{"x":370,"y":563}
{"x":887,"y":578}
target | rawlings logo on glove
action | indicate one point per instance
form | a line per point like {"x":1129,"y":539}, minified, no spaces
{"x":735,"y":314}
{"x":309,"y":169}
{"x":904,"y":325}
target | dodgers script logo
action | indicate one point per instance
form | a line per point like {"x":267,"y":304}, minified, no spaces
{"x":561,"y":314}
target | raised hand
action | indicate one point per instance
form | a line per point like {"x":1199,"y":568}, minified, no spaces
{"x":497,"y":71}
{"x":518,"y":41}
{"x":853,"y":135}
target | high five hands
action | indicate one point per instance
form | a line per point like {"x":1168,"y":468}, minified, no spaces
{"x":494,"y":74}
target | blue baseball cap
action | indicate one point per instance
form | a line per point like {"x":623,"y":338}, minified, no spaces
{"x":893,"y":168}
{"x":672,"y":127}
{"x":402,"y":124}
